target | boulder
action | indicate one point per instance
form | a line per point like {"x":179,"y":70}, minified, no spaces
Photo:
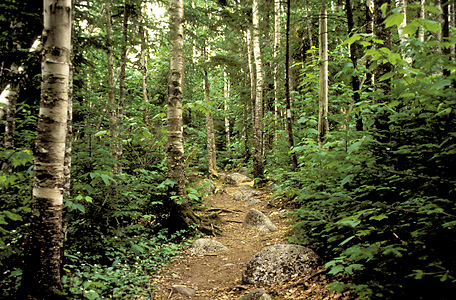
{"x":236,"y":179}
{"x":183,"y":290}
{"x":257,"y":294}
{"x":252,"y":201}
{"x":255,"y":219}
{"x":207,"y":246}
{"x":279,"y":262}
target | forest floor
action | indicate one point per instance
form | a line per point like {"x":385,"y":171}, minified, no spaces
{"x":218,"y":275}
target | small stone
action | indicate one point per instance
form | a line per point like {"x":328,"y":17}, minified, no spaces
{"x":207,"y":246}
{"x":257,"y":294}
{"x":183,"y":290}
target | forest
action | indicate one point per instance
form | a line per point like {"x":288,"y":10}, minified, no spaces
{"x":115,"y":115}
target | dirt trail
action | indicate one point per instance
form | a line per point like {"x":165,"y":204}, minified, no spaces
{"x":218,"y":275}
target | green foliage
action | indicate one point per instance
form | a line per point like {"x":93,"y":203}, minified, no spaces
{"x":133,"y":257}
{"x":379,"y":204}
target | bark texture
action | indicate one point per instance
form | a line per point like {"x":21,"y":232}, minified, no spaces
{"x":294,"y":160}
{"x":181,"y":214}
{"x":111,"y":87}
{"x":258,"y":168}
{"x":42,"y":273}
{"x":323,"y":124}
{"x":211,"y":154}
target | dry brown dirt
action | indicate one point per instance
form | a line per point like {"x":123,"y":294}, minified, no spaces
{"x":218,"y":275}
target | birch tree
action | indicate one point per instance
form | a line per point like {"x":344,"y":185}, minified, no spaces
{"x":258,"y":168}
{"x":42,"y":270}
{"x":180,"y":210}
{"x":211,"y":154}
{"x":294,"y":160}
{"x":323,"y":124}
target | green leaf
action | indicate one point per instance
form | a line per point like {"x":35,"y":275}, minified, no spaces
{"x":352,"y":39}
{"x":354,"y":147}
{"x":336,"y":269}
{"x":411,"y":28}
{"x":12,"y":216}
{"x":105,"y":178}
{"x":441,"y":84}
{"x":354,"y":267}
{"x":346,"y":240}
{"x":394,"y":20}
{"x":379,"y":217}
{"x":430,"y":25}
{"x":136,"y":249}
{"x":100,"y":133}
{"x":386,"y":76}
{"x":432,"y":9}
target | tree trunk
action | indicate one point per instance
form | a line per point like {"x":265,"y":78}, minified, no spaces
{"x":226,"y":94}
{"x":277,"y":27}
{"x":446,"y":50}
{"x":258,"y":168}
{"x":120,"y":107}
{"x":294,"y":161}
{"x":143,"y":64}
{"x":354,"y":59}
{"x":180,"y":211}
{"x":382,"y":34}
{"x":251,"y":72}
{"x":422,"y":16}
{"x":11,"y":100}
{"x":211,"y":154}
{"x":111,"y":87}
{"x":42,"y":269}
{"x":247,"y":108}
{"x":323,"y":124}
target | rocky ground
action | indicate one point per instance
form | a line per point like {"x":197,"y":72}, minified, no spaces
{"x":218,"y":275}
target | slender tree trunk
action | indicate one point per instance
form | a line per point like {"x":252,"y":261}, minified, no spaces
{"x":111,"y":87}
{"x":120,"y":107}
{"x":226,"y":94}
{"x":247,"y":108}
{"x":143,"y":64}
{"x":422,"y":16}
{"x":294,"y":161}
{"x":277,"y":27}
{"x":42,"y":271}
{"x":382,"y":34}
{"x":323,"y":124}
{"x":258,"y":168}
{"x":11,"y":100}
{"x":180,"y":211}
{"x":309,"y":25}
{"x":211,"y":154}
{"x":354,"y":59}
{"x":251,"y":72}
{"x":268,"y":103}
{"x":446,"y":33}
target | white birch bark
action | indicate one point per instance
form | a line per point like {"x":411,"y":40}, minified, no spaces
{"x":43,"y":262}
{"x":277,"y":27}
{"x":323,"y":125}
{"x":226,"y":94}
{"x":258,"y":167}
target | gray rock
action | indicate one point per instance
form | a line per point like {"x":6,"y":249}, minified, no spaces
{"x":278,"y":262}
{"x":207,"y":246}
{"x":243,"y":171}
{"x":252,"y":201}
{"x":236,"y":179}
{"x":257,"y":294}
{"x":255,"y":219}
{"x":245,"y":194}
{"x":281,"y":214}
{"x":183,"y":290}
